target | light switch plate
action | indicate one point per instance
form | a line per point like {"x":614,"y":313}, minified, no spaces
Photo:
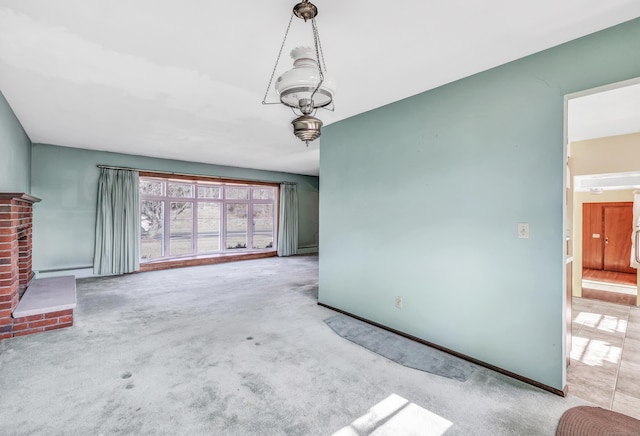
{"x":523,"y":230}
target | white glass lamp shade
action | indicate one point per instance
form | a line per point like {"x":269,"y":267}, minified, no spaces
{"x":296,"y":86}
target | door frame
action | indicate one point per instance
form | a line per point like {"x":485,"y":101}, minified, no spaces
{"x":577,"y":265}
{"x":567,"y":195}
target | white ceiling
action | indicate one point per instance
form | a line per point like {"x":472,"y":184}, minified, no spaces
{"x":607,"y":113}
{"x":184,"y":80}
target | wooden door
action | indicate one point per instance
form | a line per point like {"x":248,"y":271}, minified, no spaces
{"x":618,"y":224}
{"x":592,"y":238}
{"x":606,"y":236}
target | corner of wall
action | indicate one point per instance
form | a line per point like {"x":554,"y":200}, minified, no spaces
{"x":15,"y":162}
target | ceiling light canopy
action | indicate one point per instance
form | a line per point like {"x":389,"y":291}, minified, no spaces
{"x":306,"y":87}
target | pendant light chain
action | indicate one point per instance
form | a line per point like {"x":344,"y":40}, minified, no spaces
{"x":320,"y":53}
{"x":318,"y":49}
{"x":316,"y":34}
{"x":275,"y":67}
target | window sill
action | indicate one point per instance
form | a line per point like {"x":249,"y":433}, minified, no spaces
{"x":204,"y":260}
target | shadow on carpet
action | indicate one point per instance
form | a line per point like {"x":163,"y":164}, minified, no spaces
{"x":401,"y":350}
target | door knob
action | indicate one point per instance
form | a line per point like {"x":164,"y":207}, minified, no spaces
{"x":606,"y":240}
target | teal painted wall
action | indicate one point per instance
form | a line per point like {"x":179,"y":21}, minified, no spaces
{"x":421,"y":199}
{"x":66,"y":179}
{"x":15,"y":152}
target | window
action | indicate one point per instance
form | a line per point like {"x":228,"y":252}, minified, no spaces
{"x":180,"y":218}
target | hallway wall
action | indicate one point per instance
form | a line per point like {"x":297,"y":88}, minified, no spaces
{"x":613,"y":154}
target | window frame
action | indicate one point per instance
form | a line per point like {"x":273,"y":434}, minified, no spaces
{"x":222,"y":201}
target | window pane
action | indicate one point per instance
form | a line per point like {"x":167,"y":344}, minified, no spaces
{"x":208,"y":227}
{"x":209,"y":192}
{"x":151,"y":229}
{"x":150,"y":187}
{"x":262,"y":226}
{"x":263,"y":193}
{"x":180,"y":190}
{"x":237,"y":225}
{"x":236,"y":193}
{"x":181,"y":231}
{"x":188,"y":217}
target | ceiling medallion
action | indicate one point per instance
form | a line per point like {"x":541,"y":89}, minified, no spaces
{"x":306,"y":87}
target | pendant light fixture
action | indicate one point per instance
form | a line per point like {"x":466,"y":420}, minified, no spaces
{"x":306,"y":87}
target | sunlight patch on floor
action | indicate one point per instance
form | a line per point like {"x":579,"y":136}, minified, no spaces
{"x":396,"y":416}
{"x":612,"y":324}
{"x":594,"y":352}
{"x":605,"y":323}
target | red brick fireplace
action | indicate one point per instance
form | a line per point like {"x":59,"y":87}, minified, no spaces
{"x":48,"y":303}
{"x":16,"y":218}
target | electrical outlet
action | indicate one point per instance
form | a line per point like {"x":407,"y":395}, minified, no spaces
{"x":399,"y":302}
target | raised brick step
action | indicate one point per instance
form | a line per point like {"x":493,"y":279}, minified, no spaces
{"x":47,"y":304}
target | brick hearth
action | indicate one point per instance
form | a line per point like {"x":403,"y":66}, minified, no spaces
{"x":16,"y":226}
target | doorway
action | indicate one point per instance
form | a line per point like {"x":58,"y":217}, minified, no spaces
{"x":602,"y":172}
{"x":603,"y":166}
{"x":606,"y":247}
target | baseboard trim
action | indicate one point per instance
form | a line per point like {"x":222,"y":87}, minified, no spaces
{"x":79,"y":272}
{"x":308,"y":250}
{"x":513,"y":375}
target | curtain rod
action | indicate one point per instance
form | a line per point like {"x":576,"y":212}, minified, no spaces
{"x":171,"y":173}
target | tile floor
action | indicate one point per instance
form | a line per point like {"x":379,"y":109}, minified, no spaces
{"x":605,"y":355}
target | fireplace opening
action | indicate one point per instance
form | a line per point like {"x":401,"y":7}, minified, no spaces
{"x":25,"y":273}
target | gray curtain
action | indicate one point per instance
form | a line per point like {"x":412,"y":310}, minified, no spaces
{"x":117,"y":247}
{"x":288,"y":232}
